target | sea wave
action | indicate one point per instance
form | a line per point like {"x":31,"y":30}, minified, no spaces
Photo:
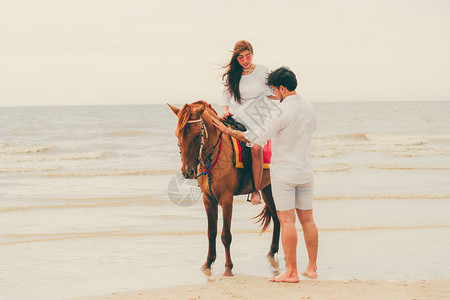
{"x":409,"y":151}
{"x":338,"y":167}
{"x":75,"y":205}
{"x":112,"y":173}
{"x":28,"y":170}
{"x":51,"y":237}
{"x":366,"y":139}
{"x":74,"y":156}
{"x":398,"y":140}
{"x":341,"y":140}
{"x":325,"y":153}
{"x":409,"y":167}
{"x":129,"y":133}
{"x":377,"y":197}
{"x":24,"y":149}
{"x":422,"y":151}
{"x":104,"y":199}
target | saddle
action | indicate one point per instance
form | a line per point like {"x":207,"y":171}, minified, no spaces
{"x":242,"y":153}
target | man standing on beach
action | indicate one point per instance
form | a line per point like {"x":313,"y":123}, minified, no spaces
{"x":291,"y":170}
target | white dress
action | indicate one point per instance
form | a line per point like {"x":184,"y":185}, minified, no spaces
{"x":255,"y":107}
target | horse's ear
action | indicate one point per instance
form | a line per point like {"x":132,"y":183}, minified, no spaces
{"x":199,"y":111}
{"x":175,"y":110}
{"x":202,"y":109}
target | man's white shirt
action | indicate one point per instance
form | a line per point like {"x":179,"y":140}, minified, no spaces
{"x":291,"y":132}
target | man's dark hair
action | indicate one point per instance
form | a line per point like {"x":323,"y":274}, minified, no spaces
{"x":282,"y":77}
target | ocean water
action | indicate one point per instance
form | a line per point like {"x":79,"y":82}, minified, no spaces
{"x":85,"y":208}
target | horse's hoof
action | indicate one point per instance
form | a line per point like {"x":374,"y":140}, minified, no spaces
{"x":228,"y":273}
{"x":207,"y":272}
{"x":206,"y":266}
{"x":271,"y":254}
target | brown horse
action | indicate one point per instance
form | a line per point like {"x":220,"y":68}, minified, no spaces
{"x":204,"y":149}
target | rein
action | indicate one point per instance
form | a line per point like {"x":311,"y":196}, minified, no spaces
{"x":207,"y":169}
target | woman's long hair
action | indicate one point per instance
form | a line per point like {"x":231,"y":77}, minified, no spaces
{"x":232,"y":76}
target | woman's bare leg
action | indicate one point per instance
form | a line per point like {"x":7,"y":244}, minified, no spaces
{"x":257,"y":168}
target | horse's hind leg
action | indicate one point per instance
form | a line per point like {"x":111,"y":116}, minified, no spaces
{"x":268,"y":199}
{"x":227,"y":210}
{"x":211,"y":213}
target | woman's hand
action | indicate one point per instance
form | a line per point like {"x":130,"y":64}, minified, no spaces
{"x":226,"y":114}
{"x":226,"y":111}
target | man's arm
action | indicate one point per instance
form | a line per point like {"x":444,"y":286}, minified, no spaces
{"x":234,"y":133}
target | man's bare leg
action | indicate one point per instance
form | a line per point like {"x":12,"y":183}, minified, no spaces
{"x":257,"y":168}
{"x":289,"y":240}
{"x":311,"y":236}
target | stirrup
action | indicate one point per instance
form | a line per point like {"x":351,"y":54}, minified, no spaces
{"x":250,"y":194}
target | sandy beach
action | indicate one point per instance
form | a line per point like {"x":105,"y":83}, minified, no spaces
{"x":254,"y":287}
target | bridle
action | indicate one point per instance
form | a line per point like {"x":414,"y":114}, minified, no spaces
{"x":204,"y":133}
{"x":204,"y":130}
{"x":207,"y":163}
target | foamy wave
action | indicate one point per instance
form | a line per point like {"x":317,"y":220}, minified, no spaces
{"x":129,"y":133}
{"x":24,"y":149}
{"x":372,"y":149}
{"x":51,"y":237}
{"x":367,"y":139}
{"x":26,"y":170}
{"x":413,"y":153}
{"x":325,"y":153}
{"x":406,"y":167}
{"x":353,"y":139}
{"x":79,"y":156}
{"x":410,"y":152}
{"x":339,"y":167}
{"x":362,"y":136}
{"x":106,"y":199}
{"x":376,"y":197}
{"x":113,"y":173}
{"x":400,"y":140}
{"x":422,"y":151}
{"x":438,"y":136}
{"x":75,"y":205}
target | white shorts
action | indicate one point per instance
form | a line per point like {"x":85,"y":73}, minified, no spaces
{"x":288,"y":196}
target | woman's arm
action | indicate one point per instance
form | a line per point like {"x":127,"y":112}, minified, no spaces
{"x":226,"y":111}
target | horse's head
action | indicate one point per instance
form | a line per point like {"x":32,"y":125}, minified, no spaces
{"x":191,"y":133}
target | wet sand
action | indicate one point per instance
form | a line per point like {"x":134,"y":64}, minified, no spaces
{"x":254,"y":287}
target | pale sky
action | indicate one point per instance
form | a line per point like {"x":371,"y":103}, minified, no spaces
{"x":84,"y":52}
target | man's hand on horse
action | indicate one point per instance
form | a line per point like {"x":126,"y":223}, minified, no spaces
{"x":219,"y":125}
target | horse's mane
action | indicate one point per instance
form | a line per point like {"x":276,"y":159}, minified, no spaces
{"x":185,"y":113}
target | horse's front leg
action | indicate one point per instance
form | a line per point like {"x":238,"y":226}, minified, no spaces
{"x":227,"y":210}
{"x":211,"y":213}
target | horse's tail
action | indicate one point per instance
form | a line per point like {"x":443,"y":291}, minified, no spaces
{"x":264,"y":218}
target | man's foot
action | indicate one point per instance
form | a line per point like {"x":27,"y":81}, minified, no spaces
{"x":256,"y":198}
{"x":312,"y":274}
{"x":286,"y":277}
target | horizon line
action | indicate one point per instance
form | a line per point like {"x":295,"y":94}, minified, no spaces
{"x":182,"y":103}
